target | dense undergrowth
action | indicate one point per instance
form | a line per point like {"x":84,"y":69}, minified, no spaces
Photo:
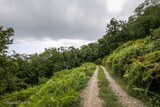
{"x":62,"y":90}
{"x":105,"y":92}
{"x":138,"y":63}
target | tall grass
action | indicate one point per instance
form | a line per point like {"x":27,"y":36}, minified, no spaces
{"x":62,"y":90}
{"x":138,"y":63}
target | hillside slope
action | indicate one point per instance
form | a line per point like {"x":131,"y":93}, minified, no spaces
{"x":138,"y":64}
{"x":62,"y":90}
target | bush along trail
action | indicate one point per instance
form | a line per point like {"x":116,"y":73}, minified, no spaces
{"x":62,"y":90}
{"x":136,"y":64}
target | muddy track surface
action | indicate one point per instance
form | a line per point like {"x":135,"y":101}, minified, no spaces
{"x":123,"y":97}
{"x":90,"y":94}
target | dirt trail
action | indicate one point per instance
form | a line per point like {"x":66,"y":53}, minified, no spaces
{"x":123,"y":97}
{"x":91,"y":92}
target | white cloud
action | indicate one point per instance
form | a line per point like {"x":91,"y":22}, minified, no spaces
{"x":115,"y":6}
{"x":30,"y":46}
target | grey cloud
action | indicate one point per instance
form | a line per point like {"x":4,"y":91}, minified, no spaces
{"x":128,"y":9}
{"x":57,"y":19}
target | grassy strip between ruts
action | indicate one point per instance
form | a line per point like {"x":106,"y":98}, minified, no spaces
{"x":105,"y":92}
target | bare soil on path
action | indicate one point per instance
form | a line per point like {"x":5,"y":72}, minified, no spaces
{"x":90,"y":94}
{"x":123,"y":97}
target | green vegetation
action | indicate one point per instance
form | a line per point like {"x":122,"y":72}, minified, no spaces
{"x":105,"y":92}
{"x":138,"y":62}
{"x":131,"y":50}
{"x":62,"y":90}
{"x":5,"y":38}
{"x":22,"y":71}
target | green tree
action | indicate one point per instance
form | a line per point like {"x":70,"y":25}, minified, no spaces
{"x":5,"y":38}
{"x":145,"y":18}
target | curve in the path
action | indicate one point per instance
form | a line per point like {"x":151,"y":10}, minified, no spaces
{"x":90,"y":94}
{"x":123,"y":97}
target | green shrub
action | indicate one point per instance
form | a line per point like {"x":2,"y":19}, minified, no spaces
{"x":22,"y":95}
{"x":156,"y":34}
{"x":138,"y":63}
{"x":121,"y":56}
{"x":62,"y":90}
{"x":145,"y":71}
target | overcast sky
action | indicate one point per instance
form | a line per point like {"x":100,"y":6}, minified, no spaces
{"x":40,"y":24}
